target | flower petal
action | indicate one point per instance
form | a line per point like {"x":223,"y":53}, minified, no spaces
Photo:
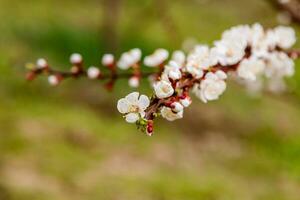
{"x":144,"y":102}
{"x":132,"y":117}
{"x":123,"y":106}
{"x":132,"y":98}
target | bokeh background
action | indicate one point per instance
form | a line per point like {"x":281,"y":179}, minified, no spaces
{"x":69,"y":142}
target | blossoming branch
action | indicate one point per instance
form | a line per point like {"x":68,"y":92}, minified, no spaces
{"x":250,"y":54}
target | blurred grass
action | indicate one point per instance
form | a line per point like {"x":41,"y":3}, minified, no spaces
{"x":70,"y":143}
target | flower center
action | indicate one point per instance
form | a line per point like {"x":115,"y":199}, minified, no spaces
{"x":165,"y":89}
{"x":134,"y":109}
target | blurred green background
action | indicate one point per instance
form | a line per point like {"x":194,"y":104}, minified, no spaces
{"x":69,"y":142}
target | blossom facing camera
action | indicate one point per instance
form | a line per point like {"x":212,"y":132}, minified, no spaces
{"x":211,"y":87}
{"x":163,"y":89}
{"x":133,"y":106}
{"x":229,"y":52}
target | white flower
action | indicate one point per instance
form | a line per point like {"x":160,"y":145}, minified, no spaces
{"x":286,"y":37}
{"x":249,"y":68}
{"x":107,"y":59}
{"x":211,"y":87}
{"x":130,"y":58}
{"x":278,"y":65}
{"x":172,"y":71}
{"x":201,"y":59}
{"x":170,"y":115}
{"x":262,"y":41}
{"x":134,"y":82}
{"x":176,"y":107}
{"x":76,"y":58}
{"x":257,"y":34}
{"x":41,"y":63}
{"x":178,"y":57}
{"x":133,"y":106}
{"x":157,"y":58}
{"x":93,"y":72}
{"x":163,"y":89}
{"x":240,"y":34}
{"x":229,"y":52}
{"x":53,"y":80}
{"x":186,"y":102}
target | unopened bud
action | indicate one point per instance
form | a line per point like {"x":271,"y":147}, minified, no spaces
{"x":93,"y":72}
{"x":41,"y":63}
{"x":54,"y":80}
{"x":76,"y":58}
{"x":108,"y":59}
{"x":134,"y":82}
{"x":149,"y":128}
{"x":30,"y":76}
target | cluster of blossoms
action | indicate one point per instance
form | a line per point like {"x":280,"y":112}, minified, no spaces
{"x":249,"y":54}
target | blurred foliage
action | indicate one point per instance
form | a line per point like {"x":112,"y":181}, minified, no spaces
{"x":69,"y":142}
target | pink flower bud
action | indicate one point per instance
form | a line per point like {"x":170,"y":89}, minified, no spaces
{"x":149,"y":129}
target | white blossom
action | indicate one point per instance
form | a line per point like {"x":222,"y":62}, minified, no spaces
{"x":170,"y":115}
{"x":130,"y":58}
{"x":107,"y":59}
{"x":76,"y":58}
{"x":163,"y":89}
{"x":201,"y":58}
{"x":178,"y":57}
{"x":285,"y":37}
{"x":240,"y":34}
{"x":249,"y":68}
{"x":262,"y":41}
{"x":177,"y":107}
{"x":229,"y":52}
{"x":172,"y":71}
{"x":186,"y":102}
{"x":93,"y":72}
{"x":279,"y":64}
{"x":41,"y":63}
{"x":133,"y":106}
{"x":211,"y":87}
{"x":157,"y":58}
{"x":134,"y":82}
